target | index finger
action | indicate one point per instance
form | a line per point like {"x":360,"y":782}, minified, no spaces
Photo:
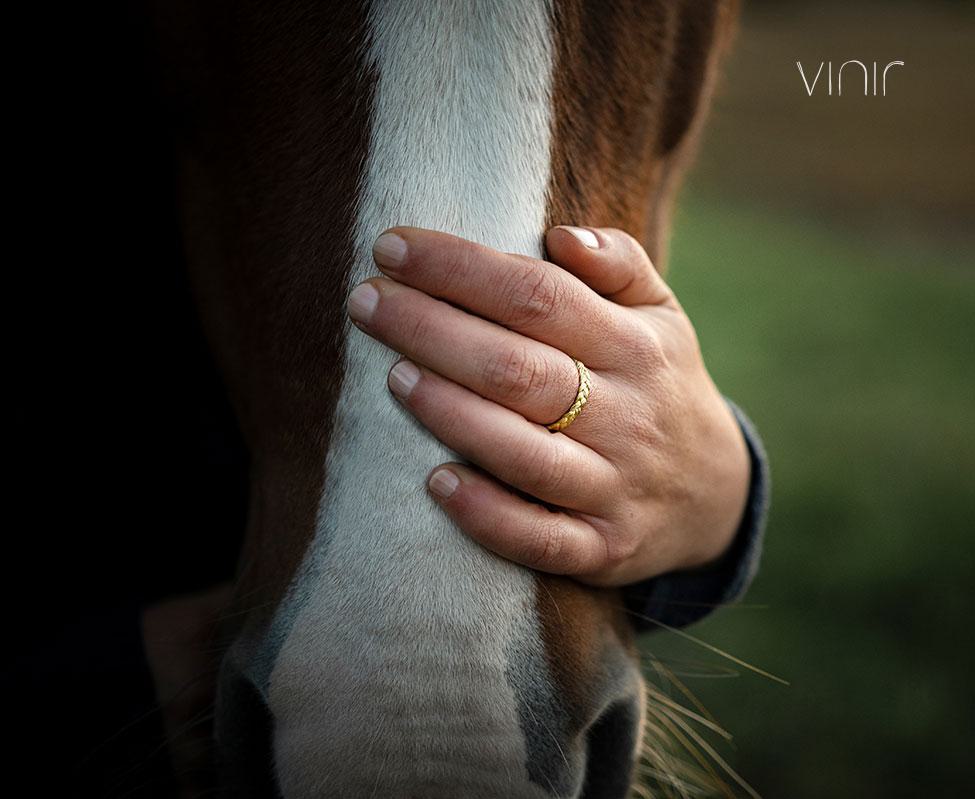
{"x":527,"y":295}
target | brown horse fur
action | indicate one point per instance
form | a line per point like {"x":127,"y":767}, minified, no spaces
{"x":272,"y":107}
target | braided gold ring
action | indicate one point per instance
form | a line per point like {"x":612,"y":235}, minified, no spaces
{"x":582,"y":397}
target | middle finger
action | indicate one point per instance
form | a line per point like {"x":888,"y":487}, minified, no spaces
{"x":529,"y":296}
{"x":531,"y":378}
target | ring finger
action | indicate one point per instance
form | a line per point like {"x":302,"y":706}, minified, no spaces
{"x":533,"y":379}
{"x":554,"y":469}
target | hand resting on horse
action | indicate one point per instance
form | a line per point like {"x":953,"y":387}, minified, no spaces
{"x":653,"y":474}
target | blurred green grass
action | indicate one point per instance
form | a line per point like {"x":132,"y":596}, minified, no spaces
{"x":824,"y":252}
{"x":854,"y":358}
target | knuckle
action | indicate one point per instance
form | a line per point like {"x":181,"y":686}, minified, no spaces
{"x":619,"y":549}
{"x":418,"y":328}
{"x":533,"y":296}
{"x":546,"y":470}
{"x":545,"y":543}
{"x":455,"y":269}
{"x":449,"y":423}
{"x":647,"y":347}
{"x":516,"y":373}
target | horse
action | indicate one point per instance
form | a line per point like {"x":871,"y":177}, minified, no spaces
{"x":372,"y":648}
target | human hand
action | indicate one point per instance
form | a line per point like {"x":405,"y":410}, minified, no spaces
{"x":653,"y":474}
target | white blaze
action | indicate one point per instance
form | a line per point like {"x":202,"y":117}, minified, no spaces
{"x":391,"y":679}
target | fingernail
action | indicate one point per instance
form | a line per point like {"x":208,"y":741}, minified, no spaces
{"x":443,"y":483}
{"x":389,"y":250}
{"x":402,"y":378}
{"x":362,"y":302}
{"x":587,"y":237}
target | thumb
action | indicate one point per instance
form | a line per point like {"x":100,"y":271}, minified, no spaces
{"x":610,"y":262}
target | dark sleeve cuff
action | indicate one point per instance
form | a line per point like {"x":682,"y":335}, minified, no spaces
{"x":678,"y":599}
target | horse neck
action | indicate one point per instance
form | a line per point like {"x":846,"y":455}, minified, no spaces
{"x":305,"y":136}
{"x":448,"y":117}
{"x":459,"y":140}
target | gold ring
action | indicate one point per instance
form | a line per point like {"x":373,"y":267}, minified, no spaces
{"x":582,"y":397}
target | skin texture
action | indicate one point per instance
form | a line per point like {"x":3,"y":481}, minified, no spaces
{"x":651,"y":477}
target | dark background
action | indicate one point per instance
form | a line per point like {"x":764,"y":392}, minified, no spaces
{"x":129,"y":472}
